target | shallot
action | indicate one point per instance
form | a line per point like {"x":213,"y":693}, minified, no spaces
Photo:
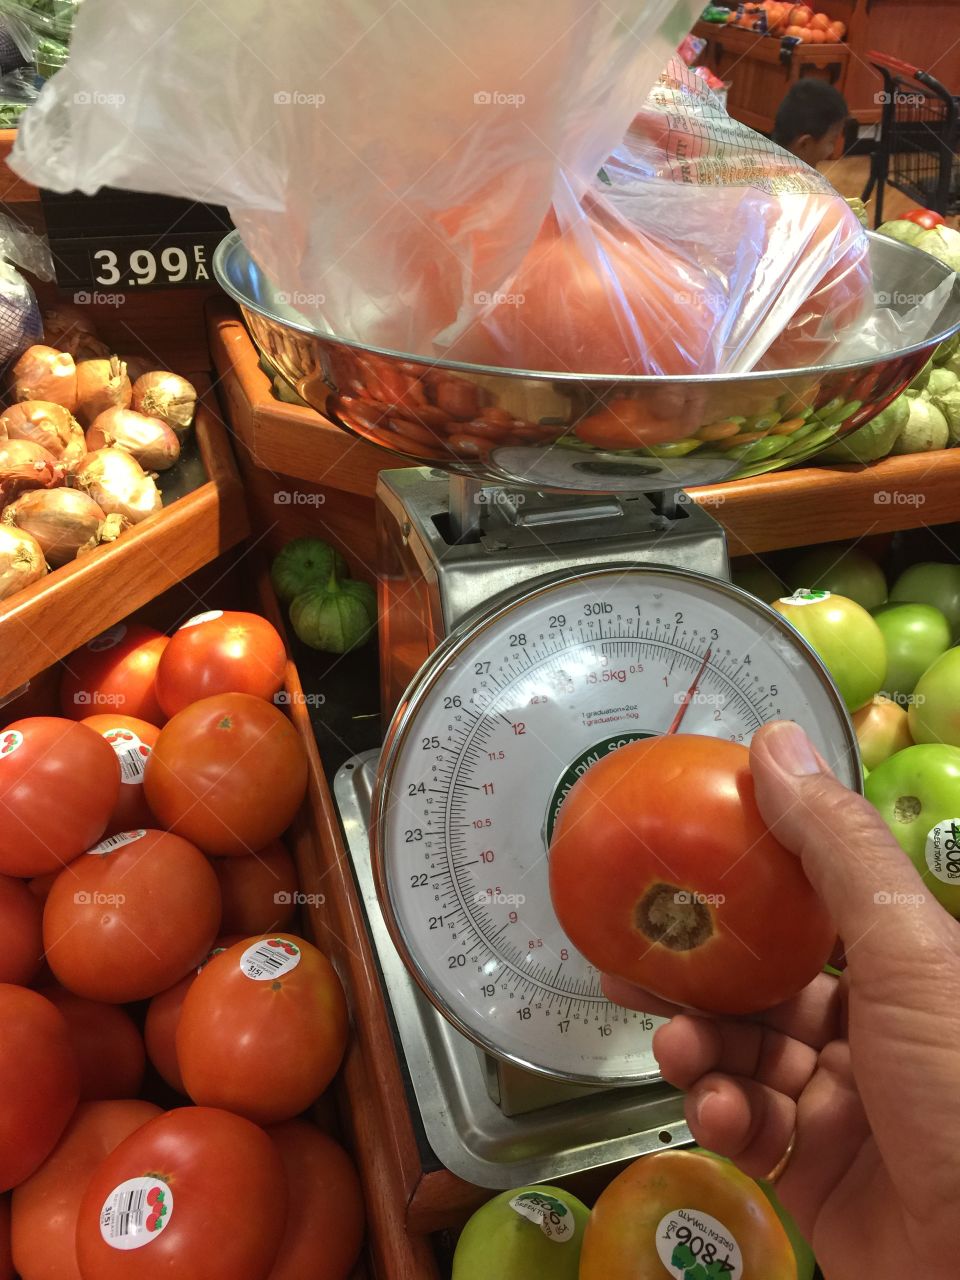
{"x":101,"y":385}
{"x":42,"y":373}
{"x":137,"y":366}
{"x":166,"y":396}
{"x":21,"y":561}
{"x":65,"y":522}
{"x":148,"y":440}
{"x":118,"y":485}
{"x":72,"y":329}
{"x":46,"y":424}
{"x":25,"y":465}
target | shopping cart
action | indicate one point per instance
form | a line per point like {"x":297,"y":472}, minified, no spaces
{"x":919,"y":135}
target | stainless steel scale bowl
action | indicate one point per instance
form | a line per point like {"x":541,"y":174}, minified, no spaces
{"x":543,"y":602}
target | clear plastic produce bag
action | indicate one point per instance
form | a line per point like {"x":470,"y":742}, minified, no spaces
{"x":520,"y":184}
{"x":20,"y":322}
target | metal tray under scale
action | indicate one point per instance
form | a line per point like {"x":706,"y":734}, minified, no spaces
{"x":526,"y":1137}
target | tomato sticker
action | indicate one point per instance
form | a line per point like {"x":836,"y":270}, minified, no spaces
{"x":803,"y":596}
{"x":202,"y":617}
{"x":135,"y":1212}
{"x":113,"y":843}
{"x":131,"y":752}
{"x":9,"y":742}
{"x":108,"y":639}
{"x":269,"y":959}
{"x":694,"y":1246}
{"x":550,"y":1214}
{"x":943,"y":851}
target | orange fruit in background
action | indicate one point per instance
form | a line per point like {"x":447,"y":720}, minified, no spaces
{"x":801,"y":15}
{"x":684,"y":1205}
{"x":837,"y":30}
{"x":819,"y":22}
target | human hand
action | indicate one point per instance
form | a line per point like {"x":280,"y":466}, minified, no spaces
{"x":861,"y":1071}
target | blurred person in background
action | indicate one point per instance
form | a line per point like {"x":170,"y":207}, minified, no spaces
{"x":810,"y":121}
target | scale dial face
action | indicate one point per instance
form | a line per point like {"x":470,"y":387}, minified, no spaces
{"x":492,"y":734}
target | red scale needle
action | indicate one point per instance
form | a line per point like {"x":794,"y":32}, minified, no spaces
{"x":688,"y":696}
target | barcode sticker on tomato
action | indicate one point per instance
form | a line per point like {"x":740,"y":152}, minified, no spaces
{"x":9,"y":742}
{"x":112,"y":843}
{"x":135,"y":1212}
{"x":550,"y":1214}
{"x":209,"y":616}
{"x":131,"y":752}
{"x":943,"y":851}
{"x":690,"y":1242}
{"x":107,"y":639}
{"x":269,"y":959}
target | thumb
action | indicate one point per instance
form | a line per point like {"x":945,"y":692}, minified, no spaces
{"x":878,"y":902}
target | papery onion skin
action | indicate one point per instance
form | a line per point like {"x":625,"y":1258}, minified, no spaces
{"x":154,"y":445}
{"x":137,"y":366}
{"x":101,"y":385}
{"x":117,"y":483}
{"x":70,"y":329}
{"x":167,"y":396}
{"x":25,"y":465}
{"x":21,"y":561}
{"x":46,"y":424}
{"x":43,"y":373}
{"x":64,"y":522}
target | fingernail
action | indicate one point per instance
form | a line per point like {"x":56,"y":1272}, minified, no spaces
{"x":702,"y":1103}
{"x":791,"y":750}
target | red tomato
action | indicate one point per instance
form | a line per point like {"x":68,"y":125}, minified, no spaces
{"x":6,"y":1258}
{"x":263,"y":1029}
{"x":115,"y":671}
{"x":258,"y":892}
{"x":925,"y":218}
{"x":220,"y":653}
{"x":40,"y":886}
{"x":326,"y":1203}
{"x":59,"y":782}
{"x":39,"y":1081}
{"x":228,"y":773}
{"x":697,"y":902}
{"x":163,"y":1016}
{"x":130,"y":921}
{"x":132,"y":740}
{"x":45,"y":1207}
{"x":220,"y":1180}
{"x":108,"y":1046}
{"x":20,"y":916}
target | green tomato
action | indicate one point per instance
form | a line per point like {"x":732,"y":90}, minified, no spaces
{"x":843,"y":570}
{"x":932,"y":583}
{"x":882,"y":730}
{"x":934,"y":712}
{"x":302,"y":564}
{"x":917,"y":793}
{"x":335,"y":618}
{"x":754,"y":576}
{"x":915,"y":636}
{"x":847,"y":639}
{"x":523,"y":1235}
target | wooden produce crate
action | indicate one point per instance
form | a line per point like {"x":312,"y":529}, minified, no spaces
{"x":71,"y":605}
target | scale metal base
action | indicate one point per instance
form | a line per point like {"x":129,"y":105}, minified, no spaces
{"x":540,"y":1130}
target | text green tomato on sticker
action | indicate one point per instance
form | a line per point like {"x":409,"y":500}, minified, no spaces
{"x":845,"y":636}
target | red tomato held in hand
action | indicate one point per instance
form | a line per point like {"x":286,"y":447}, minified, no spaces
{"x":20,"y":916}
{"x":132,"y":740}
{"x":663,"y":872}
{"x":46,"y":1206}
{"x":108,"y":1046}
{"x":326,"y":1204}
{"x":163,"y":1018}
{"x":115,"y":671}
{"x":228,"y":773}
{"x":213,"y":1207}
{"x":220,"y":653}
{"x":127,"y":922}
{"x":39,"y":1081}
{"x":263,"y":1029}
{"x":925,"y":218}
{"x":258,"y":892}
{"x":59,"y":782}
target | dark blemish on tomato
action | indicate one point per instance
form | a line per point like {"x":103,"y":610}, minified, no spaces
{"x":674,"y":917}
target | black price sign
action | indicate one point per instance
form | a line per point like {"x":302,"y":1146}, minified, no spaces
{"x":118,"y":241}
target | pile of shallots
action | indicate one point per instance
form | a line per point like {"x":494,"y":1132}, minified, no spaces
{"x":80,"y":446}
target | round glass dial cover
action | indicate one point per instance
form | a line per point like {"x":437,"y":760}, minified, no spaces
{"x":508,"y":712}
